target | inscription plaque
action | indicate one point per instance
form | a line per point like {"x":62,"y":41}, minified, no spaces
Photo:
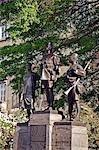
{"x":23,"y":141}
{"x":38,"y":137}
{"x":61,"y":137}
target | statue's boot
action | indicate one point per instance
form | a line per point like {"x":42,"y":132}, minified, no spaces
{"x":33,"y":110}
{"x":62,"y":114}
{"x":48,"y":108}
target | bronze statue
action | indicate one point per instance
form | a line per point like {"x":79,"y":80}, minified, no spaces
{"x":74,"y":73}
{"x":29,"y":90}
{"x":49,"y":70}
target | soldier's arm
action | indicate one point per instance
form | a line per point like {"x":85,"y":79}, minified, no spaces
{"x":80,"y":71}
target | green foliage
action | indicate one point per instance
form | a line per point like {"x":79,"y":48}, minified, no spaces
{"x":36,"y":23}
{"x":87,"y":43}
{"x":20,"y":15}
{"x":92,"y":122}
{"x":7,"y":127}
{"x":6,"y":131}
{"x":59,"y":104}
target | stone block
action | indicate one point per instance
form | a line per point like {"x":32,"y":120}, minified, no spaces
{"x":44,"y":117}
{"x":38,"y":137}
{"x":69,"y":136}
{"x":22,"y":137}
{"x":46,"y":131}
{"x":79,"y":137}
{"x":38,"y":146}
{"x":39,"y":132}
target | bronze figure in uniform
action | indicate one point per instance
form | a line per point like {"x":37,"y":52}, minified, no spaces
{"x":74,"y":73}
{"x":49,"y":70}
{"x":29,"y":90}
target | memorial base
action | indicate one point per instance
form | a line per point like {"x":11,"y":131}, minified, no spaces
{"x":69,"y":136}
{"x":47,"y":131}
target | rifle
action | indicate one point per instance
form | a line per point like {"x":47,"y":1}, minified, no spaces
{"x":66,"y":92}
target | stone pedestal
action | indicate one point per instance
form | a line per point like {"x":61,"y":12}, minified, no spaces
{"x":47,"y":131}
{"x":37,"y":135}
{"x":69,"y":136}
{"x":41,"y":125}
{"x":22,"y":137}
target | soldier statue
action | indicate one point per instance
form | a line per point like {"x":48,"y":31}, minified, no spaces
{"x":49,"y":71}
{"x":74,"y":73}
{"x":29,"y":90}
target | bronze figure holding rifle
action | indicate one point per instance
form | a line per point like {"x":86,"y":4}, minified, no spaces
{"x":74,"y":73}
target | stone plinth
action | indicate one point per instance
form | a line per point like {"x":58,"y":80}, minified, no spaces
{"x":22,"y":137}
{"x":37,"y":135}
{"x":47,"y":131}
{"x":41,"y":125}
{"x":69,"y":136}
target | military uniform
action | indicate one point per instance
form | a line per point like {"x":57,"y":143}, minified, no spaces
{"x":74,"y":72}
{"x":29,"y":91}
{"x":49,"y":70}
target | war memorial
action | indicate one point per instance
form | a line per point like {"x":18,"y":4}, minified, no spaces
{"x":47,"y":129}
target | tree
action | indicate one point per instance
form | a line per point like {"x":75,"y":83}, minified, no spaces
{"x":72,"y":26}
{"x":31,"y":22}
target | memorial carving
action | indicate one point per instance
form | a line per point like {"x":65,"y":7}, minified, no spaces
{"x":46,"y":130}
{"x":39,"y":132}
